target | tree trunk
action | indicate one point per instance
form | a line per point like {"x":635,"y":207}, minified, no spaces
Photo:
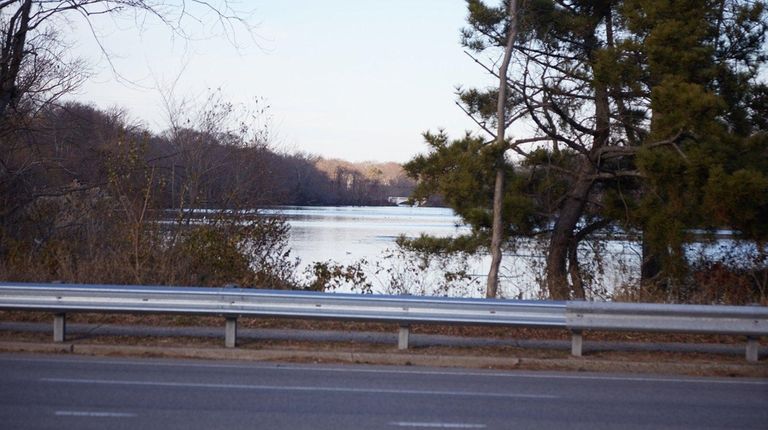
{"x":562,"y":235}
{"x":563,"y":245}
{"x":12,"y":56}
{"x":497,"y":237}
{"x":650,"y":267}
{"x":575,"y":271}
{"x":497,"y":229}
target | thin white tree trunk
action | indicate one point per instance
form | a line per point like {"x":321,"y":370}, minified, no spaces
{"x":497,"y":229}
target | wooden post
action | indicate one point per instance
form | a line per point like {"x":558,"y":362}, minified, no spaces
{"x":577,"y":343}
{"x":59,"y":327}
{"x":403,"y":335}
{"x":230,"y":332}
{"x":752,"y":349}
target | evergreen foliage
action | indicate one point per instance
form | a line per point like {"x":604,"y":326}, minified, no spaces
{"x":647,"y":114}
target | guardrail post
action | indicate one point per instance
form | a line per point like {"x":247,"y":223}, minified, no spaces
{"x":403,"y":335}
{"x":59,"y":327}
{"x":230,"y":332}
{"x":752,"y":346}
{"x":577,"y":343}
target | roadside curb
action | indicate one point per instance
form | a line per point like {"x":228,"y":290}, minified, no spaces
{"x":582,"y":364}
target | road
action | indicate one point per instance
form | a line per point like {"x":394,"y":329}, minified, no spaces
{"x":69,"y":392}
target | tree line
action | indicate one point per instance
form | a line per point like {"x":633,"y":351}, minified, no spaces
{"x":72,"y":172}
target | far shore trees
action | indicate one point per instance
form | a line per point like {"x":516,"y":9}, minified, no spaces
{"x":86,"y":195}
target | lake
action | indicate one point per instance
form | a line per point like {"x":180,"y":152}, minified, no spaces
{"x":348,"y":234}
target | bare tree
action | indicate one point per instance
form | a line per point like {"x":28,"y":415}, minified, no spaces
{"x":34,"y":65}
{"x":37,"y":68}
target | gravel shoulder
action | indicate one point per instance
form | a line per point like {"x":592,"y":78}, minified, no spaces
{"x":330,"y":342}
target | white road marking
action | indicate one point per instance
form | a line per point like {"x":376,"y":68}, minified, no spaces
{"x":530,"y":375}
{"x":94,"y":414}
{"x":298,"y":388}
{"x":438,"y":425}
{"x":519,"y":375}
{"x":352,"y":369}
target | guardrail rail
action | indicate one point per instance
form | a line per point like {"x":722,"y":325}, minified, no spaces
{"x":233,"y":303}
{"x":749,"y":321}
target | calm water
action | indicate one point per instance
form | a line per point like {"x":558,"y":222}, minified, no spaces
{"x":348,"y":233}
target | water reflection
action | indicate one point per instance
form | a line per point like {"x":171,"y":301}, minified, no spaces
{"x":348,"y":233}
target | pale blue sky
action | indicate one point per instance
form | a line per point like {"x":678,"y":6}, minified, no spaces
{"x":353,"y":79}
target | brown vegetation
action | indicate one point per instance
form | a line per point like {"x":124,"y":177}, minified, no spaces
{"x":89,"y":197}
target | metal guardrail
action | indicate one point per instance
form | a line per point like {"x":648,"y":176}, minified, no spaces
{"x":750,"y":321}
{"x":738,"y":320}
{"x":231,"y":303}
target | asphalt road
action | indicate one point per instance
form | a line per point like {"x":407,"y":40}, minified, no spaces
{"x":54,"y":392}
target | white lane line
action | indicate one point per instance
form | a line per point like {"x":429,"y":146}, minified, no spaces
{"x":404,"y":372}
{"x":438,"y":425}
{"x":298,"y":388}
{"x":91,"y":414}
{"x":528,"y":375}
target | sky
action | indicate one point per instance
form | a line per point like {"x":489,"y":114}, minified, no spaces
{"x":359,"y":80}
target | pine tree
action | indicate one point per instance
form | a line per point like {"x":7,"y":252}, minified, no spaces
{"x":647,"y":113}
